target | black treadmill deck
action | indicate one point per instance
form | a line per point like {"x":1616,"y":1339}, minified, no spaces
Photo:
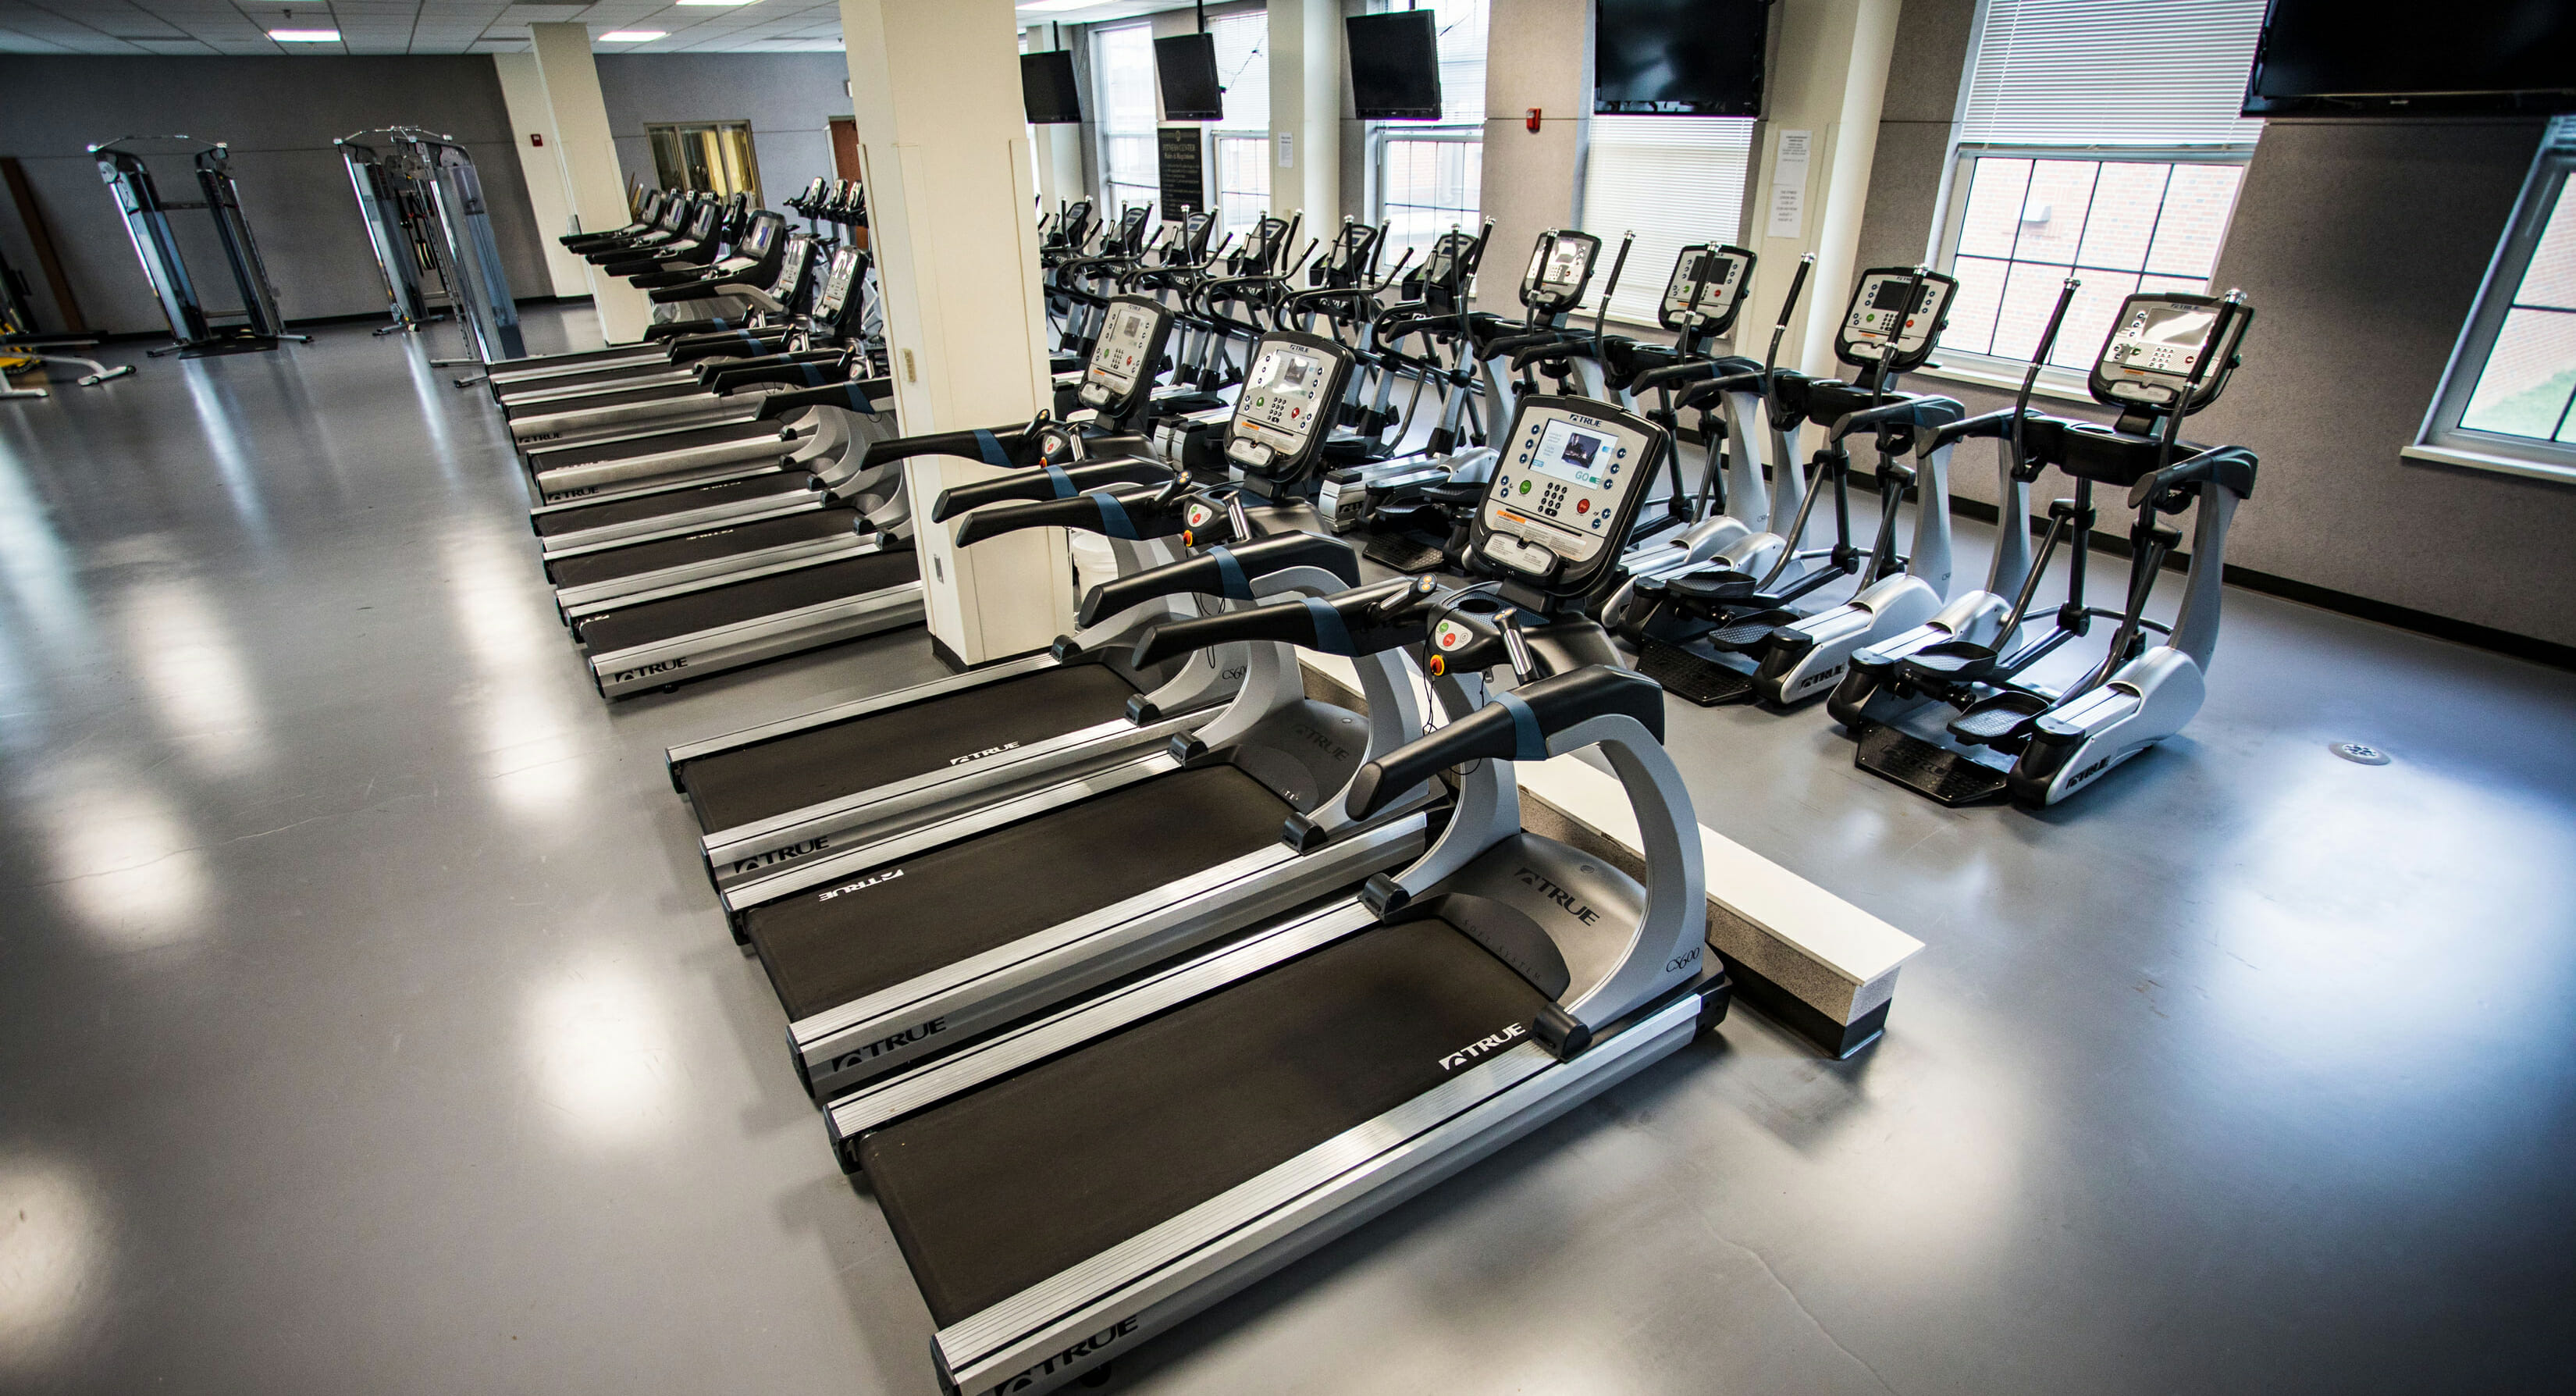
{"x":724,"y":540}
{"x":1014,"y":1183}
{"x":734,"y":788}
{"x":655,"y":621}
{"x":828,"y":947}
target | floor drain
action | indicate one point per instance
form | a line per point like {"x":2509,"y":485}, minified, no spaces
{"x":2359,"y":753}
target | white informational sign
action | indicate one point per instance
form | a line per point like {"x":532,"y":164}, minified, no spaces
{"x":1789,"y":185}
{"x":1287,"y":150}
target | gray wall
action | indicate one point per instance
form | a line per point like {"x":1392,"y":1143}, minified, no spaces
{"x":2360,"y":245}
{"x":789,"y":99}
{"x":280,"y":115}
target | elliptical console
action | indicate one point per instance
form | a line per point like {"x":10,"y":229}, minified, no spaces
{"x":1285,"y":409}
{"x":1573,"y":474}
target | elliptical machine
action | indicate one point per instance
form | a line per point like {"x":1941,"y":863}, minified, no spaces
{"x":2168,"y":356}
{"x":1709,"y":634}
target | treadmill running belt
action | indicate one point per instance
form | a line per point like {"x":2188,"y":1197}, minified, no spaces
{"x":724,"y":541}
{"x":784,"y":484}
{"x":687,"y":438}
{"x":750,"y":599}
{"x":1007,"y":1186}
{"x":824,"y":949}
{"x":733,"y":788}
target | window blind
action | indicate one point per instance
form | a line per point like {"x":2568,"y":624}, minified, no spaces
{"x":1122,"y":83}
{"x":1243,"y":67}
{"x":2112,"y":73}
{"x":1672,"y":180}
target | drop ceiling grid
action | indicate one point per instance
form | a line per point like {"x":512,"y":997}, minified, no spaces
{"x":401,"y":26}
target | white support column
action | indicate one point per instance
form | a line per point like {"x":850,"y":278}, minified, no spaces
{"x":1829,"y":81}
{"x":1306,"y":111}
{"x":590,"y":169}
{"x":523,"y":92}
{"x":951,"y":212}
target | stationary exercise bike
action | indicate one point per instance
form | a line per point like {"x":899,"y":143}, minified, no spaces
{"x":2168,"y":355}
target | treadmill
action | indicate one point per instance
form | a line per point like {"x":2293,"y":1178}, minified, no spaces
{"x":974,"y":920}
{"x":1021,"y":714}
{"x":768,"y":257}
{"x":594,"y":429}
{"x":1066,"y":1189}
{"x":839,"y":781}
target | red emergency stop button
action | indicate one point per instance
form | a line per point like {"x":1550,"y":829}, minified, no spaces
{"x":1582,"y":506}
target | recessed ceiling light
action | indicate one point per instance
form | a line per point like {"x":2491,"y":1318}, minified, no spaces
{"x":1042,"y":6}
{"x":305,"y":36}
{"x":633,"y":36}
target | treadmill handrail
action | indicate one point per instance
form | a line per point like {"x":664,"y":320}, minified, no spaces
{"x":1226,"y":572}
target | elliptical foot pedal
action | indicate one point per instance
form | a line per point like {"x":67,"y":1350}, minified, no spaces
{"x":1736,"y":639}
{"x":1950,"y":777}
{"x":1403,"y":554}
{"x":1696,"y":677}
{"x":1998,"y":720}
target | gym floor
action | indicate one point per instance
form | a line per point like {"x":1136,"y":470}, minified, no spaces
{"x":367,"y":1024}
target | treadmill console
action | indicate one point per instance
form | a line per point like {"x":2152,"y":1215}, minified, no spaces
{"x":1286,"y":405}
{"x":1878,"y":325}
{"x":2160,"y":338}
{"x":1572,"y":476}
{"x":1127,"y":354}
{"x":1560,"y":269}
{"x":1706,"y":289}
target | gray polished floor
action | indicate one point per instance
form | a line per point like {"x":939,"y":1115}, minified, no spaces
{"x":366,"y":1023}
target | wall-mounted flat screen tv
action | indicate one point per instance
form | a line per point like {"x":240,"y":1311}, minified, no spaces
{"x":2384,"y":58}
{"x":1679,"y":57}
{"x":1047,"y":89}
{"x":1395,"y":65}
{"x":1186,"y":65}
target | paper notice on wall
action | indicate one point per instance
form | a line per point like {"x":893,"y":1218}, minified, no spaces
{"x":1287,"y":150}
{"x":1789,"y":185}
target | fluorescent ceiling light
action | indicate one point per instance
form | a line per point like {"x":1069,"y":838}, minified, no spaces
{"x":305,"y":36}
{"x":1034,"y":7}
{"x":634,"y":36}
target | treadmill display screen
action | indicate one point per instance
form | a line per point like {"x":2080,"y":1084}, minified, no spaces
{"x":1278,"y":400}
{"x":1576,"y":456}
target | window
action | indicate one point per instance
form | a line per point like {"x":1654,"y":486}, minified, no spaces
{"x":1122,"y":83}
{"x":1430,"y":175}
{"x":1243,"y":138}
{"x":714,"y":156}
{"x":1673,"y":181}
{"x":2510,"y":395}
{"x":2098,"y":139}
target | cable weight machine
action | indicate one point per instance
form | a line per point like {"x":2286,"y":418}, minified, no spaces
{"x":431,"y":232}
{"x":156,"y":243}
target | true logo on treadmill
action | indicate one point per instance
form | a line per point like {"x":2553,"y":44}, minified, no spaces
{"x":1484,"y":1047}
{"x":776,"y":856}
{"x":861,"y":885}
{"x":980,"y":755}
{"x":890,"y":1043}
{"x":1125,"y":1327}
{"x":649,"y":670}
{"x":1581,"y":911}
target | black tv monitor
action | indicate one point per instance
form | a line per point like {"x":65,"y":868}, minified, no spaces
{"x":1395,"y":65}
{"x":2380,"y":57}
{"x":1679,"y":57}
{"x":1186,"y":64}
{"x":1047,"y":89}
